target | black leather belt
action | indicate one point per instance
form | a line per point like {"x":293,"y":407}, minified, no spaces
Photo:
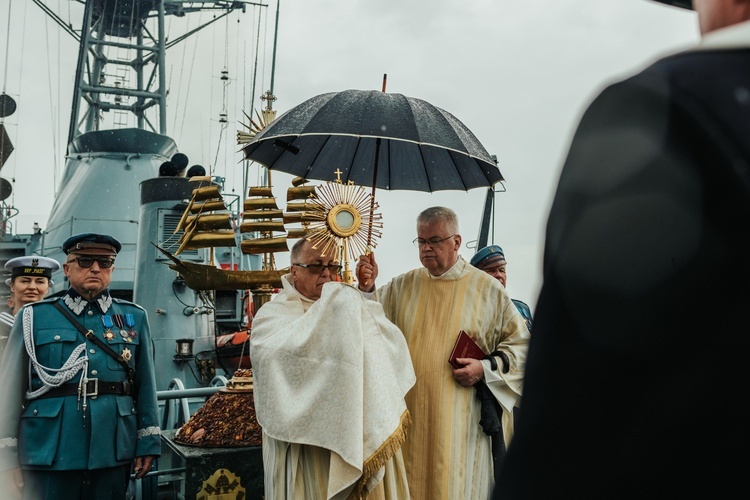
{"x":94,"y":387}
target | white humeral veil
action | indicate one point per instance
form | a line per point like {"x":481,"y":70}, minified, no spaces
{"x":332,"y":373}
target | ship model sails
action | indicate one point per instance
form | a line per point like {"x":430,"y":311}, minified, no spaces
{"x":333,"y":217}
{"x":208,"y":223}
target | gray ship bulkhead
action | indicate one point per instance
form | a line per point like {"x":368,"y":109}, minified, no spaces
{"x":100,"y":193}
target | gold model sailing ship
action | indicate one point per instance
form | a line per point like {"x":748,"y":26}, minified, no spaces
{"x":260,"y":229}
{"x":207,"y":222}
{"x":340,"y":219}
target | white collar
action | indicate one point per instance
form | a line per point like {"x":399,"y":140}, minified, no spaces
{"x":453,"y":273}
{"x":736,"y":36}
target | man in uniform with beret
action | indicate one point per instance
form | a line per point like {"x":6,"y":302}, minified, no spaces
{"x":491,"y":260}
{"x":89,"y":411}
{"x":30,"y":279}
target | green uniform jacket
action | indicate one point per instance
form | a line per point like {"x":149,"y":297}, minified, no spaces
{"x":51,"y":433}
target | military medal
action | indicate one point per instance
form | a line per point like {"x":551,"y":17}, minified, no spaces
{"x":107,"y":320}
{"x":131,"y":324}
{"x":120,"y":321}
{"x":126,"y":355}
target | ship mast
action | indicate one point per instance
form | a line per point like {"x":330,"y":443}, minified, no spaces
{"x":103,"y":81}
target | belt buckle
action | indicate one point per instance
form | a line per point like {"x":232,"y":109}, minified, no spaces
{"x":95,"y":392}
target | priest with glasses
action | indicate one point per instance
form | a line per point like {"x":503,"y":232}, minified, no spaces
{"x":330,"y":375}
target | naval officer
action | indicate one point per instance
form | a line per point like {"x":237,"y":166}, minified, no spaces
{"x":491,"y":260}
{"x":89,"y":411}
{"x":30,"y":279}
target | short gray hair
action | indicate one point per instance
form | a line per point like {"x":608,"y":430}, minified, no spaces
{"x":297,"y":250}
{"x":441,"y":214}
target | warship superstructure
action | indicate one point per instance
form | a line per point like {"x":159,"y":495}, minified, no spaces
{"x":125,"y":175}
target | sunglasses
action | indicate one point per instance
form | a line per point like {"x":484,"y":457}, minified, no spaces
{"x":87,"y":262}
{"x":318,"y":268}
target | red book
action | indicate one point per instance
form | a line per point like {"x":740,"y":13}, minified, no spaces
{"x":465,"y":348}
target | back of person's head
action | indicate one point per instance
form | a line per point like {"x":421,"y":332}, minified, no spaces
{"x":715,"y":14}
{"x":685,"y":4}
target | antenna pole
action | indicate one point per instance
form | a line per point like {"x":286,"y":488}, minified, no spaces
{"x":275,"y":37}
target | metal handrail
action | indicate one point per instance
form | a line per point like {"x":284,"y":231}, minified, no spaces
{"x":176,"y":390}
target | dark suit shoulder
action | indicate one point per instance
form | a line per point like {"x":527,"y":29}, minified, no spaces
{"x":686,"y":65}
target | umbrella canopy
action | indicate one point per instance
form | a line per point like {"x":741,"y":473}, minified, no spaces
{"x":377,"y":139}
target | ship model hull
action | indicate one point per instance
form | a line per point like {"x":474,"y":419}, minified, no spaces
{"x":208,"y":277}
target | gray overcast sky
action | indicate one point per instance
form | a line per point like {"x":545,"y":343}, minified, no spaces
{"x":518,"y":73}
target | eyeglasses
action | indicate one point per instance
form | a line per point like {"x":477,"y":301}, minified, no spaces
{"x":433,"y":242}
{"x":318,"y":268}
{"x":87,"y":262}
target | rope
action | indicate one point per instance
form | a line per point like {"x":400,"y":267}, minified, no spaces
{"x":51,"y":377}
{"x":7,"y":50}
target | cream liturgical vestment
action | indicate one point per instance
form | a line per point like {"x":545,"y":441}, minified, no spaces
{"x":447,"y":454}
{"x":330,"y":377}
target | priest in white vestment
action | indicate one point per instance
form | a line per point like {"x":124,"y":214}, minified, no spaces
{"x":447,"y":454}
{"x":330,"y":377}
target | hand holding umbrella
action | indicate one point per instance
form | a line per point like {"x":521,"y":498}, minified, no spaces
{"x":367,"y":272}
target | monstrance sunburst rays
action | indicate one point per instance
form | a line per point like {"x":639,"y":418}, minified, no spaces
{"x":255,"y":127}
{"x":268,"y":115}
{"x":341,"y":217}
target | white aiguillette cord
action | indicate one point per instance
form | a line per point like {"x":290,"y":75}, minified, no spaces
{"x":51,"y":377}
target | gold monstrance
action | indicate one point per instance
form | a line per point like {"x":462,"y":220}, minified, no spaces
{"x":343,"y":222}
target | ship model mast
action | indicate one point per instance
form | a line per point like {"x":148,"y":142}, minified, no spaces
{"x":259,"y":229}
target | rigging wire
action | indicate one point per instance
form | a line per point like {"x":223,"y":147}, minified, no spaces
{"x":20,"y":80}
{"x":261,"y":15}
{"x":5,"y":216}
{"x":179,"y":124}
{"x":223,"y":117}
{"x":239,"y":95}
{"x":244,"y":96}
{"x":54,"y":110}
{"x":265,"y":50}
{"x":7,"y":52}
{"x":255,"y":66}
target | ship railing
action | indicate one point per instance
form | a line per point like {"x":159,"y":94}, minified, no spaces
{"x":176,"y":397}
{"x":176,"y":412}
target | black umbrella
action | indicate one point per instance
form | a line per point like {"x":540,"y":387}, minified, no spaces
{"x":402,"y":142}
